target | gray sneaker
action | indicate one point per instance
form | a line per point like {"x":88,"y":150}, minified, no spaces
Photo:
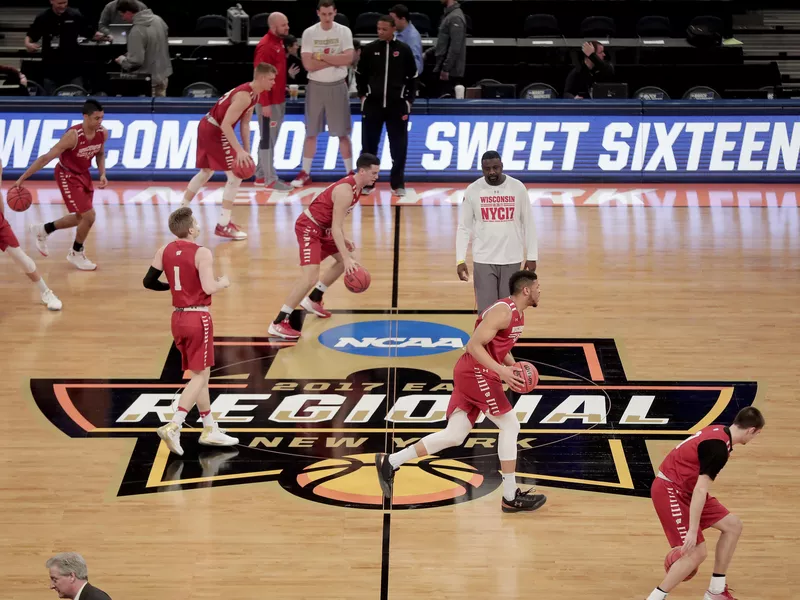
{"x":278,"y":186}
{"x":399,"y":192}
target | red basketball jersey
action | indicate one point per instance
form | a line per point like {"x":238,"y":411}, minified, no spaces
{"x":183,"y":276}
{"x":321,"y":207}
{"x":682,"y":465}
{"x":219,"y":110}
{"x":504,"y":340}
{"x":79,"y":159}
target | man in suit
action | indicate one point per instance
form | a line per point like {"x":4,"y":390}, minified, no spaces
{"x":69,"y":578}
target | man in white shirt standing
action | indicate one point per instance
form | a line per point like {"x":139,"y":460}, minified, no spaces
{"x":497,"y":215}
{"x":327,"y":52}
{"x":70,"y":578}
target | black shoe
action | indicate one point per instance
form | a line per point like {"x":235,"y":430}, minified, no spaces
{"x":524,"y":501}
{"x":385,"y":473}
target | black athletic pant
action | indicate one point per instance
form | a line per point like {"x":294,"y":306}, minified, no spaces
{"x":373,"y":118}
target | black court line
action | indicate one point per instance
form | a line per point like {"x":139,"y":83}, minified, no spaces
{"x":396,"y":257}
{"x":388,"y":446}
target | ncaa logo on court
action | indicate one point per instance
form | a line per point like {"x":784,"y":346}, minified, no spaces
{"x":394,"y":339}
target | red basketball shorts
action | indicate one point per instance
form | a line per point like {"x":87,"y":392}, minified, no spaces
{"x":76,"y":189}
{"x":213,"y":150}
{"x":672,"y":507}
{"x":7,"y":237}
{"x":194,"y":337}
{"x":477,"y":390}
{"x":316,"y":244}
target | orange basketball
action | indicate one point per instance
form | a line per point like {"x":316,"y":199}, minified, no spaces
{"x":529,"y":375}
{"x":19,"y":199}
{"x":673,"y":555}
{"x":358,"y":281}
{"x":244,"y":171}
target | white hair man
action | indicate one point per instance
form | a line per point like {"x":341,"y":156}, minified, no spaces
{"x":69,"y":577}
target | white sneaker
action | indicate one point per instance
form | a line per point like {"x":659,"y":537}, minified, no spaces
{"x":399,"y":192}
{"x":79,"y":260}
{"x":214,"y":436}
{"x":171,"y":434}
{"x":50,"y":300}
{"x":37,"y":229}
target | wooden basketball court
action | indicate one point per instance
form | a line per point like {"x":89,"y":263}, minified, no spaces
{"x":668,"y":307}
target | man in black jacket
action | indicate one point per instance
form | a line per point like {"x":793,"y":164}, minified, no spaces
{"x":70,"y":578}
{"x":386,"y":81}
{"x":593,"y":68}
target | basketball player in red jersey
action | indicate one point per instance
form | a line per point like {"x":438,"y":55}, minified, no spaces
{"x":685,"y":508}
{"x":10,"y":246}
{"x":190,"y":273}
{"x":218,"y":149}
{"x":320,"y":233}
{"x":478,"y":388}
{"x":75,"y":151}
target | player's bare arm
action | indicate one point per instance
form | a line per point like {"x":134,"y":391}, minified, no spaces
{"x":699,"y":496}
{"x":312,"y":64}
{"x":244,"y":128}
{"x":345,"y":59}
{"x":151,"y":280}
{"x":67,"y":142}
{"x":101,"y":168}
{"x":496,"y":319}
{"x":205,"y":267}
{"x":240,"y":103}
{"x":342,"y":197}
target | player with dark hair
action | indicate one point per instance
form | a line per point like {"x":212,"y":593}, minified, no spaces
{"x":218,"y":149}
{"x":10,"y":246}
{"x":74,"y":151}
{"x":478,"y":388}
{"x":190,"y":273}
{"x":685,"y":508}
{"x":320,"y":233}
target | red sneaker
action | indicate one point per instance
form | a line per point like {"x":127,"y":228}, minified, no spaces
{"x":230,"y":231}
{"x":725,"y":595}
{"x":283,"y":330}
{"x":315,"y":307}
{"x":302,"y":179}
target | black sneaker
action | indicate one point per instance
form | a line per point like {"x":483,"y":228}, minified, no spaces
{"x":524,"y":501}
{"x":385,"y":473}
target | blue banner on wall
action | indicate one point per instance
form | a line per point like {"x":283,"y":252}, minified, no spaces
{"x":534,"y":147}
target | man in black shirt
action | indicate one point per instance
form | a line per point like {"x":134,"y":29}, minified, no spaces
{"x":386,"y":81}
{"x":62,"y":25}
{"x":593,"y":68}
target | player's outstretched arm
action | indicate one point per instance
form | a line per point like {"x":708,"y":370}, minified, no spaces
{"x":205,"y":266}
{"x":150,"y":280}
{"x":239,"y":104}
{"x":699,"y":496}
{"x":342,"y":198}
{"x":496,"y":318}
{"x":67,"y":142}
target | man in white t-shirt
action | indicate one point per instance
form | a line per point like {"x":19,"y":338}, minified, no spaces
{"x":497,"y":215}
{"x":327,"y":52}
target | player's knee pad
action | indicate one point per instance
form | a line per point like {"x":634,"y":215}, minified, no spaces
{"x":22,"y":259}
{"x":507,"y":440}
{"x":231,"y":187}
{"x":199,"y":180}
{"x":458,"y":428}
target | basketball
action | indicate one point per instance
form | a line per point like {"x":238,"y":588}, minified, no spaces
{"x":673,"y":555}
{"x":245,"y":171}
{"x":358,"y":281}
{"x":529,"y":374}
{"x":19,"y":199}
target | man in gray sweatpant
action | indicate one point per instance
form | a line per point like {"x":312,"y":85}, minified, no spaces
{"x":496,"y":215}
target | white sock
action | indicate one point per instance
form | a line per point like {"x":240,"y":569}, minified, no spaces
{"x":348,"y":164}
{"x":307,"y":164}
{"x":717,"y":585}
{"x":225,"y":217}
{"x":42,"y":286}
{"x":208,"y":420}
{"x":179,"y":417}
{"x":321,"y":287}
{"x":287,"y":309}
{"x":402,"y":456}
{"x":509,"y":486}
{"x":657,"y":594}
